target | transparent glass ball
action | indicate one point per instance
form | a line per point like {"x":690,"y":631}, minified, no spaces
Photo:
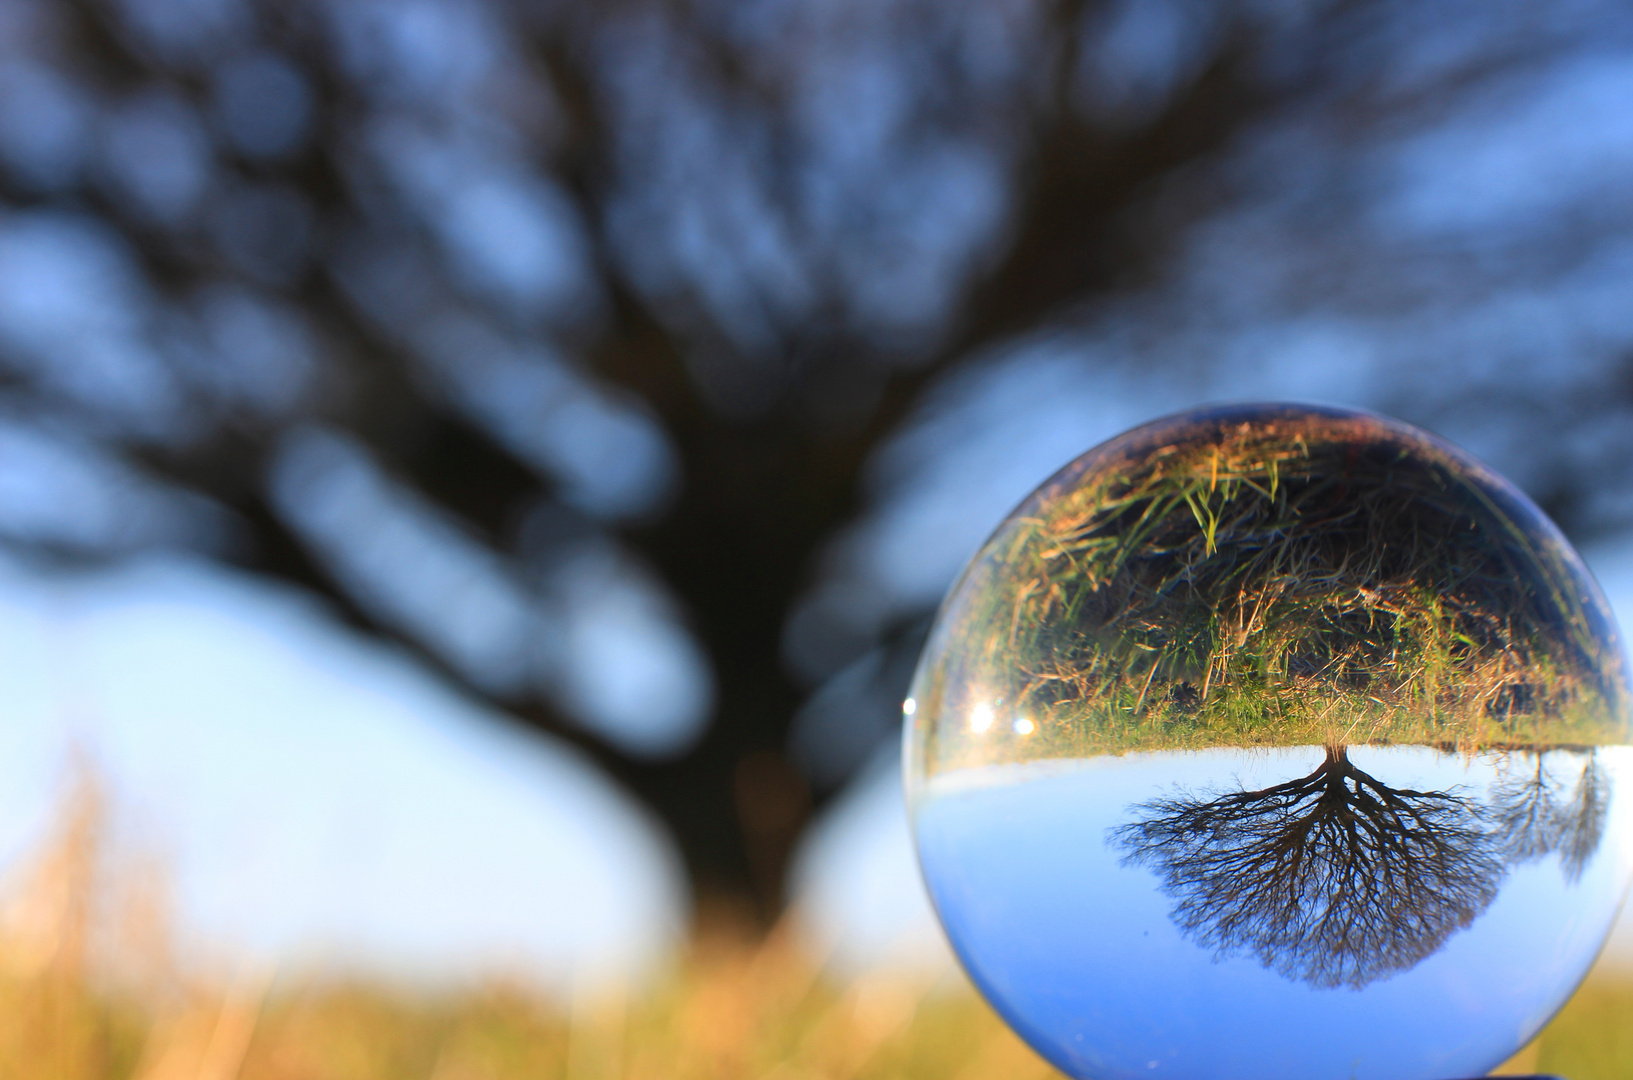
{"x":1274,"y":743}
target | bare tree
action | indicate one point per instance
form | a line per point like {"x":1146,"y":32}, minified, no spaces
{"x":1337,"y":879}
{"x":1334,"y":879}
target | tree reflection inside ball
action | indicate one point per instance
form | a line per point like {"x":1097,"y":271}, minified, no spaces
{"x":1274,"y":743}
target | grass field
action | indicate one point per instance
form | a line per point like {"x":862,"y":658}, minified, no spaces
{"x":1307,"y":580}
{"x":731,"y":1012}
{"x":89,"y":990}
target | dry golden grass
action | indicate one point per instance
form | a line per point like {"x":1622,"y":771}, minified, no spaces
{"x":88,"y":992}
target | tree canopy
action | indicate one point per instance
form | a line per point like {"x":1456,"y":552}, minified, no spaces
{"x":577,"y":347}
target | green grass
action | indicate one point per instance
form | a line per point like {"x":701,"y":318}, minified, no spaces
{"x":1305,"y":579}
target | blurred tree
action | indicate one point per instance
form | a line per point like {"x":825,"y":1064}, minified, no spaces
{"x":556,"y":341}
{"x":1538,"y":813}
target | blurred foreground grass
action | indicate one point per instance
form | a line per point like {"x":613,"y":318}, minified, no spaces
{"x":89,"y":991}
{"x":728,"y":1013}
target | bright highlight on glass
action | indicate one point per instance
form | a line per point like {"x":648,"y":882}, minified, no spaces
{"x":980,"y":719}
{"x":1318,"y":761}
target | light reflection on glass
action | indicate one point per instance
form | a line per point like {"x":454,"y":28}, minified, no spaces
{"x":980,"y":718}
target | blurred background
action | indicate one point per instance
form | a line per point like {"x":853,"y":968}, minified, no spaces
{"x":475,"y":474}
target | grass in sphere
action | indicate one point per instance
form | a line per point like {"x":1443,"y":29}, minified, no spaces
{"x":1307,"y":580}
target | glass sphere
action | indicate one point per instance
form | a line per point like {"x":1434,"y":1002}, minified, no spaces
{"x":1274,"y":743}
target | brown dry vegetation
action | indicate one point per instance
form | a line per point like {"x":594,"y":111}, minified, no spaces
{"x":87,"y":992}
{"x":90,"y":990}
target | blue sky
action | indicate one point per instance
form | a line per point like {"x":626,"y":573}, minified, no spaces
{"x":314,"y":799}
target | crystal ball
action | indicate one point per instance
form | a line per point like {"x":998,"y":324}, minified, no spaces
{"x":1274,"y":743}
